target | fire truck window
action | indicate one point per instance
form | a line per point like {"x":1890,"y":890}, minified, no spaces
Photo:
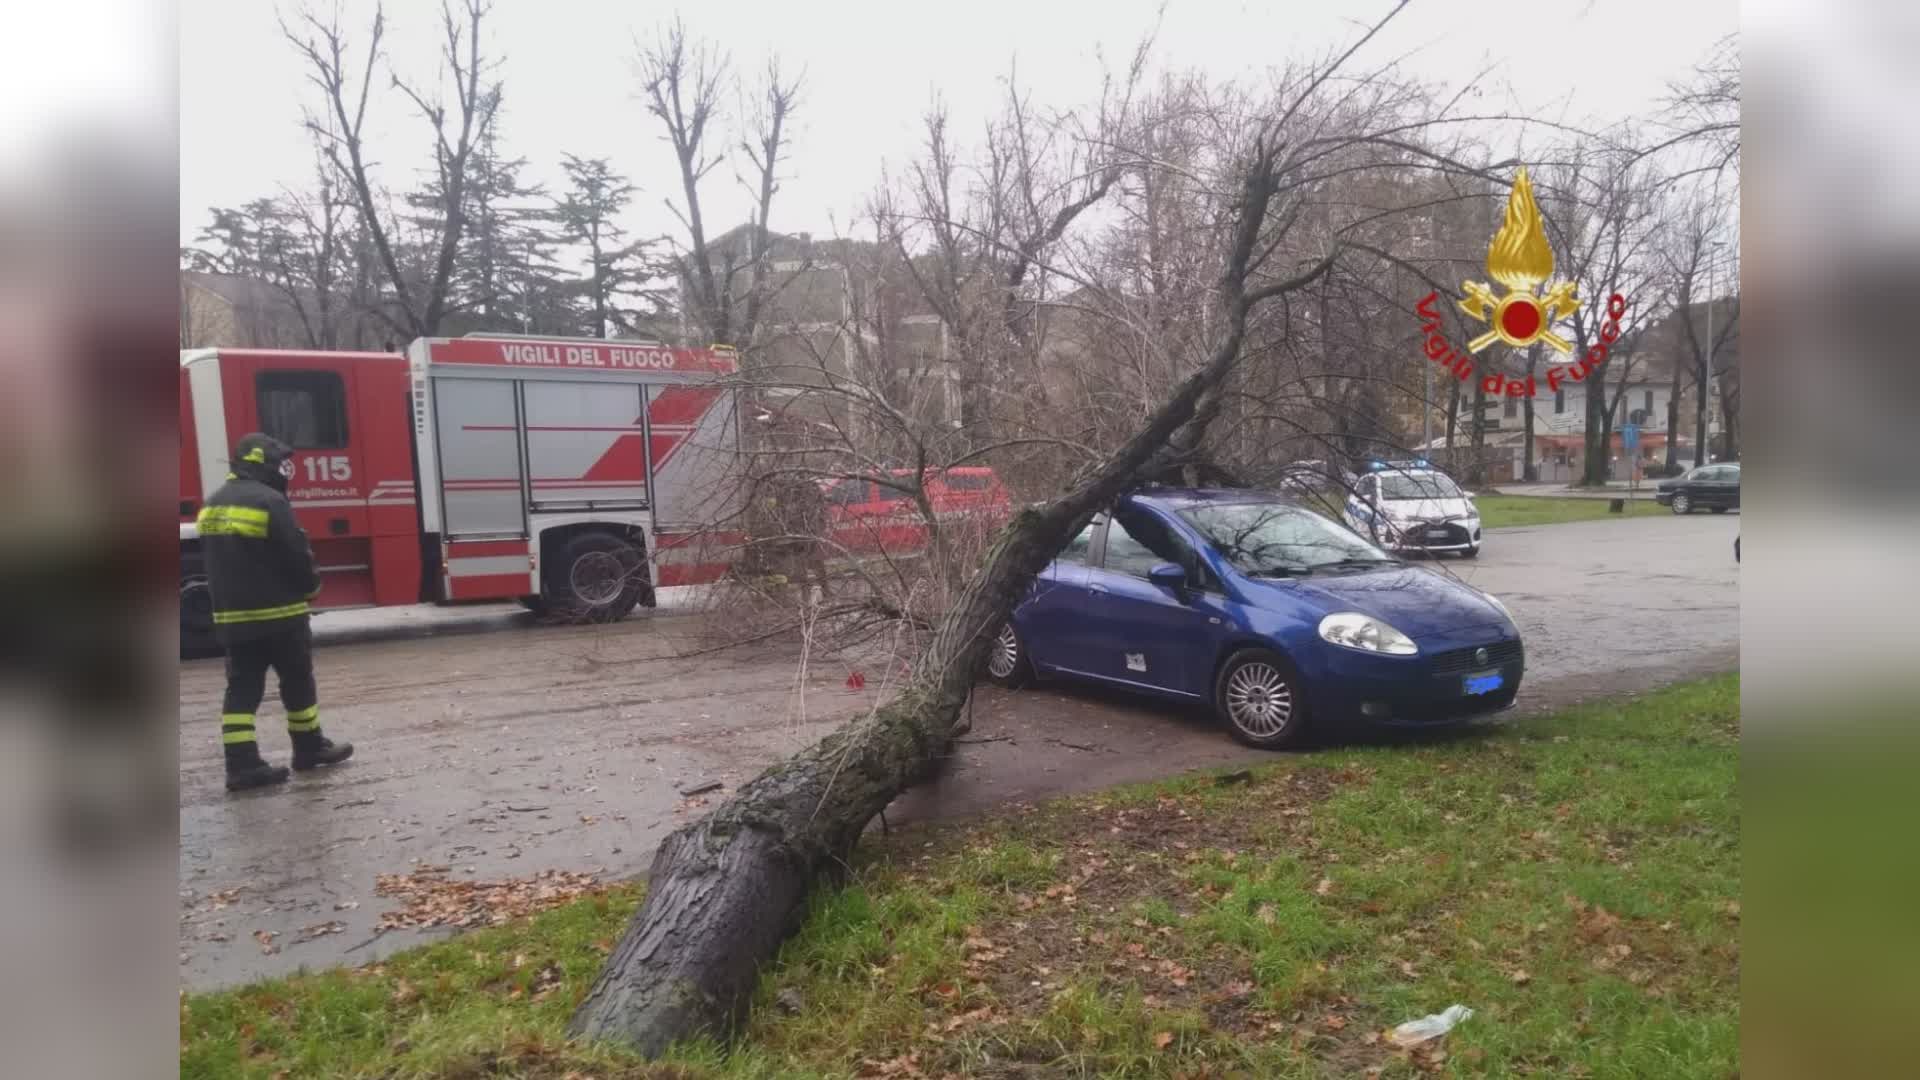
{"x":307,"y":410}
{"x":968,"y":481}
{"x":847,"y":493}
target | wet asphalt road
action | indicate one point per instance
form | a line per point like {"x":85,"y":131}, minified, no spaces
{"x":498,"y":748}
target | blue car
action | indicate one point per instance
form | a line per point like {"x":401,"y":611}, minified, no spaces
{"x":1272,"y":614}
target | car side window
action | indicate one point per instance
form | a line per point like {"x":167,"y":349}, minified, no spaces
{"x":1077,"y":548}
{"x":1138,"y":541}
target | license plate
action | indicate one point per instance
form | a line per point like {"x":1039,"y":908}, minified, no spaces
{"x":1436,"y":534}
{"x":1484,"y":682}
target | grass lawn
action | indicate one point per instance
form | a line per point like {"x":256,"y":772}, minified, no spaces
{"x":1500,"y":511}
{"x":1575,"y":880}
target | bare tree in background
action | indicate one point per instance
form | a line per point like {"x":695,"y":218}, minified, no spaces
{"x":299,"y":244}
{"x":683,"y":80}
{"x":419,"y":301}
{"x":1603,"y":212}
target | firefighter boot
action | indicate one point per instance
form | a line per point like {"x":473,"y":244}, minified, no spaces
{"x":247,"y":769}
{"x":312,"y":750}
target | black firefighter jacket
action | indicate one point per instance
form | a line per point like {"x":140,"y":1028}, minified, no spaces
{"x":260,"y":567}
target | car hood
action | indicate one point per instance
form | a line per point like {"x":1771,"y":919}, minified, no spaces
{"x":1415,"y":600}
{"x":1427,"y":509}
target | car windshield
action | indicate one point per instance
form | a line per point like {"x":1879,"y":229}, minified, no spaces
{"x":1417,"y":485}
{"x":1272,"y":539}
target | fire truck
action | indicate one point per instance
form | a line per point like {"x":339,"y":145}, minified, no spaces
{"x":571,"y":475}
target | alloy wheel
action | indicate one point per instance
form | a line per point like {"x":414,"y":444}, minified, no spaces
{"x":1259,"y":699}
{"x":1004,"y":655}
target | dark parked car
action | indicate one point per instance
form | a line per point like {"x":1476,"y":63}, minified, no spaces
{"x":1709,"y":487}
{"x":1274,"y":615}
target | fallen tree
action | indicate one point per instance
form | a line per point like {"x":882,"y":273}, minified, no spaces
{"x":725,"y":891}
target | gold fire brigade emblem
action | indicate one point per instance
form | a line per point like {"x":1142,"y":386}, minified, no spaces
{"x":1520,"y":259}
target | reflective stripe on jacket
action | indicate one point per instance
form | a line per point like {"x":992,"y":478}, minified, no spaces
{"x":260,"y":568}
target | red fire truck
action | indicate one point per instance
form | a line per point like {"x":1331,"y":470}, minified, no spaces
{"x":570,"y":475}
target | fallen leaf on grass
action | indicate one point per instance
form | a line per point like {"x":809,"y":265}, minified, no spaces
{"x":1333,"y":1022}
{"x":1596,"y":923}
{"x":983,"y":1014}
{"x":1163,"y":1040}
{"x":546,"y":982}
{"x":1521,"y":977}
{"x":1324,"y":887}
{"x":904,"y":1065}
{"x":1265,"y":914}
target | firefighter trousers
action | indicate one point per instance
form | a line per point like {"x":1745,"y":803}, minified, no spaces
{"x":290,"y":655}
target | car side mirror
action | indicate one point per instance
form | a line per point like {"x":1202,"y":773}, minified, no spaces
{"x":1168,"y":576}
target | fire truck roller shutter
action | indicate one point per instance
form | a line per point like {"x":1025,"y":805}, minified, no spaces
{"x":585,"y":444}
{"x":479,"y":458}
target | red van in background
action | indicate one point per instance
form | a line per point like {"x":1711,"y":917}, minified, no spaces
{"x":870,"y":518}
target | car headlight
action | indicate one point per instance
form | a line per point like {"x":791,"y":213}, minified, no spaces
{"x":1495,"y":601}
{"x":1352,"y":630}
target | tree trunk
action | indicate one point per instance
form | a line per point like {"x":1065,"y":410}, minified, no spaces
{"x":1599,"y":438}
{"x":726,"y":890}
{"x":1673,"y":417}
{"x":1729,"y":424}
{"x":1453,"y":418}
{"x":1529,"y":471}
{"x":1477,"y":438}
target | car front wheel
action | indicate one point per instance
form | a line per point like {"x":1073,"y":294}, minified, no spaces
{"x":1682,"y":504}
{"x":1007,"y":663}
{"x":1258,"y":695}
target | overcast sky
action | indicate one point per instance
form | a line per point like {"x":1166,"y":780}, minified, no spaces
{"x":871,"y":67}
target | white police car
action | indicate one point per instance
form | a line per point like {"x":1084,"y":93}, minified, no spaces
{"x":1412,"y":506}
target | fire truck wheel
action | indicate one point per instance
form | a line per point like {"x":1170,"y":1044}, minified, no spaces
{"x":598,"y":578}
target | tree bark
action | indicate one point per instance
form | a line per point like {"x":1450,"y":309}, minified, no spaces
{"x":1673,"y":412}
{"x":1529,"y":471}
{"x":726,"y":890}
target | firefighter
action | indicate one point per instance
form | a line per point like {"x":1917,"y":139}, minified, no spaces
{"x":789,"y":533}
{"x":261,"y":572}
